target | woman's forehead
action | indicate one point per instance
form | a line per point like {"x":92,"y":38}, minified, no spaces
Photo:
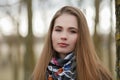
{"x":66,"y":20}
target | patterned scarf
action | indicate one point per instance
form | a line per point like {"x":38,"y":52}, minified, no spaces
{"x":62,"y":69}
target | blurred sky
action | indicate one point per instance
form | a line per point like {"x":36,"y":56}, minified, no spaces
{"x":42,"y":15}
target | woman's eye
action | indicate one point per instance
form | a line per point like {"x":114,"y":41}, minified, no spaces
{"x":73,"y":31}
{"x":58,"y":30}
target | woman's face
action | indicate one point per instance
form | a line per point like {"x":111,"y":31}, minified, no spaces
{"x":64,"y":34}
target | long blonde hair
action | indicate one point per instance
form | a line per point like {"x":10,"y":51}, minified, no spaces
{"x":88,"y":65}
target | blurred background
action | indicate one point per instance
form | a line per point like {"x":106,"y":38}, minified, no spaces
{"x":24,"y":24}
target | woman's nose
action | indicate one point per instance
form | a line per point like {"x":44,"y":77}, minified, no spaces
{"x":64,"y":36}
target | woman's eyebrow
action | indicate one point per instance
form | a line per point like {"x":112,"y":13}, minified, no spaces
{"x":60,"y":27}
{"x":57,"y":26}
{"x":73,"y":28}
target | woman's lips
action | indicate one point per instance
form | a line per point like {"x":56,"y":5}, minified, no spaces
{"x":63,"y":44}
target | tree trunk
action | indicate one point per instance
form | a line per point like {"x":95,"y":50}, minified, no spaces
{"x":96,"y":36}
{"x":117,"y":34}
{"x":110,"y":41}
{"x":16,"y":63}
{"x":29,"y":60}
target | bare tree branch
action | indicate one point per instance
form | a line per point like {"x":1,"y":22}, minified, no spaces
{"x":10,"y":5}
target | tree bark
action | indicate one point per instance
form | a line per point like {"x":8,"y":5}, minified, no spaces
{"x":29,"y":60}
{"x":117,"y":34}
{"x":96,"y":36}
{"x":110,"y":41}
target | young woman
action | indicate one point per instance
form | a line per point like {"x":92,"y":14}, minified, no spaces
{"x":68,"y":53}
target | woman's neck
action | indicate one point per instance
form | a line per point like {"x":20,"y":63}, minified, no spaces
{"x":62,"y":55}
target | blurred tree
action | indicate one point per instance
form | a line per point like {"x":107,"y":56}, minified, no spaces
{"x":29,"y":60}
{"x":80,"y":2}
{"x":96,"y":37}
{"x":110,"y":39}
{"x":117,"y":34}
{"x":13,"y":40}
